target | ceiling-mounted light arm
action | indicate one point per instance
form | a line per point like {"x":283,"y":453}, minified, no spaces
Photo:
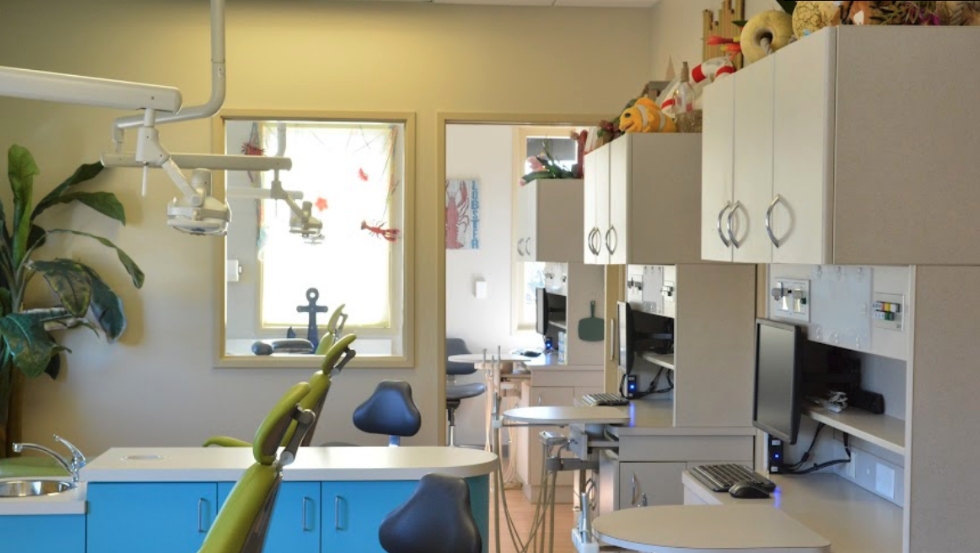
{"x":218,"y":84}
{"x":89,"y":91}
{"x":214,"y":162}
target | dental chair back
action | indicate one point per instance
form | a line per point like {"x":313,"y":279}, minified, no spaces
{"x":243,"y":522}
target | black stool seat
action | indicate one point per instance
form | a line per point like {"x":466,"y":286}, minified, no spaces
{"x":437,"y":518}
{"x":390,"y":410}
{"x":463,"y":391}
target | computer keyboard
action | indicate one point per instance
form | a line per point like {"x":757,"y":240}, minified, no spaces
{"x":604,"y":399}
{"x":721,"y":477}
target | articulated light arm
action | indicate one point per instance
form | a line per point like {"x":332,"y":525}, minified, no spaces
{"x":88,"y":91}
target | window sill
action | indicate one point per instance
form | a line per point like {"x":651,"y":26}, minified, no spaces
{"x":293,"y":361}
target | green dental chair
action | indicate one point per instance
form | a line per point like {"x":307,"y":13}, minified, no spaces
{"x":320,"y":385}
{"x":243,"y":521}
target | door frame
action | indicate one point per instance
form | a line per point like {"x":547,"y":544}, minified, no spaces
{"x":443,"y":119}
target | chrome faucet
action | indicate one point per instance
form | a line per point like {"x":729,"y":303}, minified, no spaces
{"x":72,"y":467}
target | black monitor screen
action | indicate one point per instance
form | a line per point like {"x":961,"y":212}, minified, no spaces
{"x":626,"y":336}
{"x":543,"y":311}
{"x":778,"y":375}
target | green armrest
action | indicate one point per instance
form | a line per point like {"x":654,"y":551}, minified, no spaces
{"x":20,"y":467}
{"x":226,"y":441}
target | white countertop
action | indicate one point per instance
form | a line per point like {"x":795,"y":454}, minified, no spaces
{"x":312,"y":464}
{"x":853,"y":519}
{"x":706,"y":529}
{"x":655,"y":417}
{"x":65,"y":503}
{"x":563,"y":416}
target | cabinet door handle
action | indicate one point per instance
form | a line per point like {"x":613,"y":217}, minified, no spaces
{"x":608,"y":248}
{"x":590,"y":241}
{"x":306,"y":516}
{"x":519,"y":251}
{"x":720,"y":233}
{"x":615,"y":237}
{"x":772,"y":205}
{"x":527,"y":246}
{"x":731,"y":233}
{"x":200,"y":515}
{"x":336,"y":512}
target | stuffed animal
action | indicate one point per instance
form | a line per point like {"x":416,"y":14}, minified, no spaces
{"x":858,"y":12}
{"x":959,"y":13}
{"x":765,"y":33}
{"x":808,"y":18}
{"x":645,"y":116}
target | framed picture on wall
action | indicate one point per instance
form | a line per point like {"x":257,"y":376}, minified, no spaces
{"x":462,"y":214}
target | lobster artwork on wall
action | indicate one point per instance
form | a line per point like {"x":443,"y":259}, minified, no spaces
{"x":462,"y":214}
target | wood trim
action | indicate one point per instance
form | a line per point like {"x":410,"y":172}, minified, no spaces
{"x":407,"y":359}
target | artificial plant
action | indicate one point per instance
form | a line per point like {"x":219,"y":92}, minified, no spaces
{"x":27,"y":346}
{"x":545,"y":166}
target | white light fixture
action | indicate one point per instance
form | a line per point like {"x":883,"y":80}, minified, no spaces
{"x":197,"y":212}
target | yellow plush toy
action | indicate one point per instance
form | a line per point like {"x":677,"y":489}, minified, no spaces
{"x":766,"y":32}
{"x":645,"y":116}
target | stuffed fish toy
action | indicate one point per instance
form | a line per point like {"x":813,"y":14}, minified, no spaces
{"x":645,"y":116}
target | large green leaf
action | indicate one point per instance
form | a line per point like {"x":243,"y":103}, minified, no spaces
{"x":70,"y":281}
{"x":6,"y":300}
{"x":21,"y":170}
{"x":131,"y":267}
{"x":105,"y":203}
{"x":107,"y":307}
{"x":84,"y":172}
{"x":29,"y":344}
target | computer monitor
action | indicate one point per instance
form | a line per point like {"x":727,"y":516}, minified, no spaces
{"x":627,"y":336}
{"x":544,"y":311}
{"x":778,"y":379}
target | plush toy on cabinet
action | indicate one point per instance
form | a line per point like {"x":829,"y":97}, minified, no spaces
{"x":765,"y":33}
{"x":645,"y":116}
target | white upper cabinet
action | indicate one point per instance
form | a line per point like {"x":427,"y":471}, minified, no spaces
{"x":596,"y":206}
{"x":745,"y":221}
{"x":549,"y":212}
{"x":717,"y":147}
{"x":646,"y":194}
{"x":851,"y":146}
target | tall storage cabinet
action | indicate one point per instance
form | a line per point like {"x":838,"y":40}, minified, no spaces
{"x":639,"y":194}
{"x":831,"y":164}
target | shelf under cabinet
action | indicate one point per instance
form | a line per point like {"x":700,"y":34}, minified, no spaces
{"x":661,"y":360}
{"x":880,"y":430}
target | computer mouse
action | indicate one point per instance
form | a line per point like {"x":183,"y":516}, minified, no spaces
{"x":748,"y":490}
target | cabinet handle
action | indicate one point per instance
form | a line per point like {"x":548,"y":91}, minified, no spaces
{"x":615,"y":237}
{"x":731,"y":233}
{"x":720,"y":233}
{"x":527,"y":246}
{"x":306,"y":517}
{"x":591,"y":241}
{"x":336,"y":512}
{"x":608,"y":248}
{"x":772,"y":205}
{"x":200,"y":515}
{"x":519,"y":252}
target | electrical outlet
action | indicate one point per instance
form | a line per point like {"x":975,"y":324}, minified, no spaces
{"x":885,"y":480}
{"x":851,"y":468}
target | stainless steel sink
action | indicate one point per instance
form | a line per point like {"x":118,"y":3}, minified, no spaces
{"x":33,"y":488}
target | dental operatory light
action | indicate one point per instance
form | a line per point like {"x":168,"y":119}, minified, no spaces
{"x":197,"y":211}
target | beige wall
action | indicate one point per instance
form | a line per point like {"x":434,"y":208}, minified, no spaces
{"x":158,"y":387}
{"x":678,"y":28}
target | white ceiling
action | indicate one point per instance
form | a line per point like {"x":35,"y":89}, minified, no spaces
{"x":559,"y":3}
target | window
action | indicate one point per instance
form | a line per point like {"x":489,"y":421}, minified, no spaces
{"x":530,"y":142}
{"x":353,"y":175}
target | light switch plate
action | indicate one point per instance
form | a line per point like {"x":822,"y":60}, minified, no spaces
{"x":884,"y":305}
{"x":790,"y":299}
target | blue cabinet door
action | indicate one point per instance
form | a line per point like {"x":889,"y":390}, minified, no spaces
{"x":295,"y":524}
{"x":353,"y":511}
{"x":163,"y":517}
{"x":43,"y":533}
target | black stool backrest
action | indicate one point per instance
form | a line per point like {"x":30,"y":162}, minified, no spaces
{"x":390,"y":410}
{"x":436,"y":519}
